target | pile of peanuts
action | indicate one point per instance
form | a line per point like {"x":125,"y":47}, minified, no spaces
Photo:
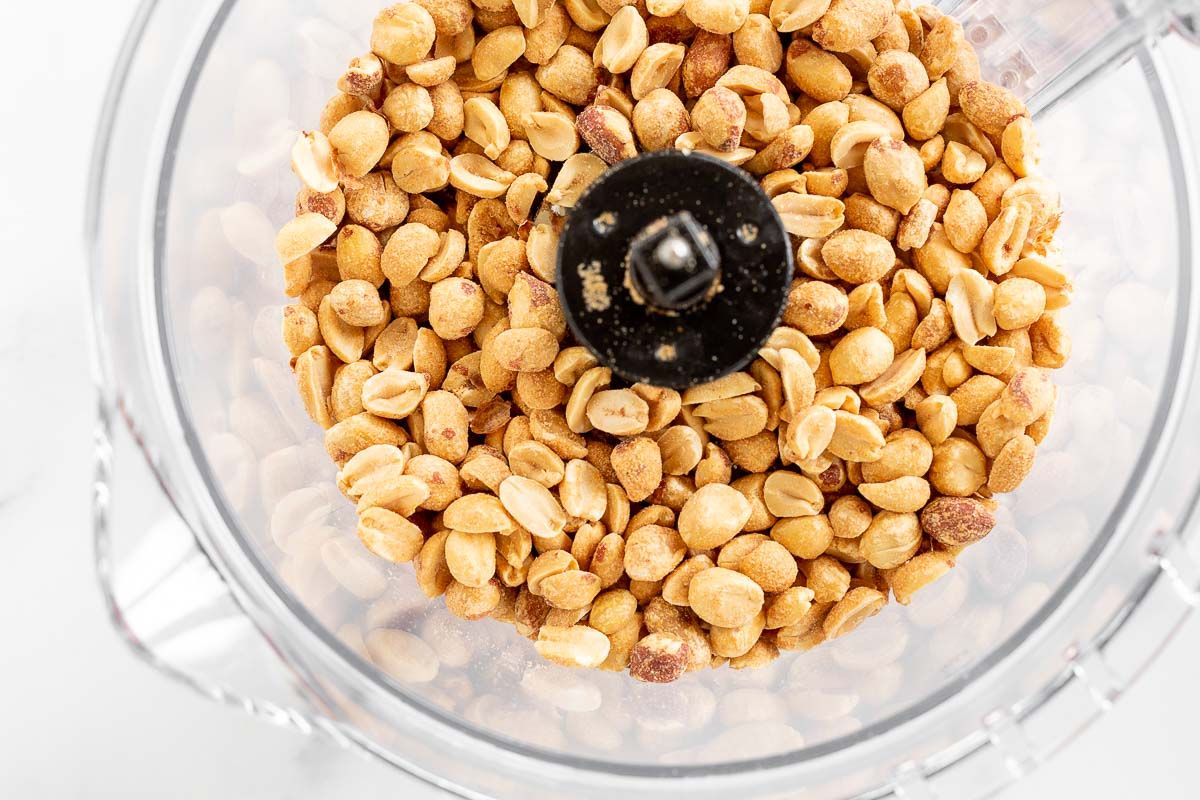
{"x":636,"y":527}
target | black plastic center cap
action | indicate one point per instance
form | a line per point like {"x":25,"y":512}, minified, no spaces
{"x":673,"y":268}
{"x":673,"y":263}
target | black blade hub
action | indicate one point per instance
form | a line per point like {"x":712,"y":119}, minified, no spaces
{"x":673,"y":268}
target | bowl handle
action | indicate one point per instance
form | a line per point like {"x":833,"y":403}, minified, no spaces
{"x":1044,"y":49}
{"x":169,"y":602}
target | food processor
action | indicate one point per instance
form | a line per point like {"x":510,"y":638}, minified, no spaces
{"x":229,"y":561}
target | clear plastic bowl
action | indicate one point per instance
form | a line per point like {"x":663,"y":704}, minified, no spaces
{"x":230,"y":559}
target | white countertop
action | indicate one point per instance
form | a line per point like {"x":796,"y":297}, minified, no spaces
{"x":79,"y":715}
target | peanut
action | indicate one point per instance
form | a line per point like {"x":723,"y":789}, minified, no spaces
{"x":712,"y":516}
{"x":724,"y":598}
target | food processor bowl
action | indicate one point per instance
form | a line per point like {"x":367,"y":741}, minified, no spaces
{"x":229,"y":558}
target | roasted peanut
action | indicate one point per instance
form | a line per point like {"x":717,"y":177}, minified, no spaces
{"x":402,"y":34}
{"x":652,"y":552}
{"x":850,"y":23}
{"x":818,"y":73}
{"x":897,"y":78}
{"x":724,"y":598}
{"x":895,"y":174}
{"x":607,"y":131}
{"x":816,"y":308}
{"x":717,"y":16}
{"x":623,"y":40}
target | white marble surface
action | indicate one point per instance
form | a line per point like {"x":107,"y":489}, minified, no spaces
{"x":79,"y":716}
